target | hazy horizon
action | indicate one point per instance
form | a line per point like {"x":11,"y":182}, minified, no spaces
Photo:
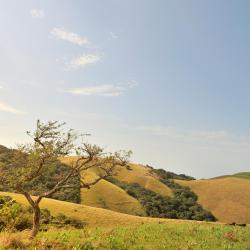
{"x":167,"y":79}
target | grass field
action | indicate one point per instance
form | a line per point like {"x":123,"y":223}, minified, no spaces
{"x":147,"y":236}
{"x":227,"y":198}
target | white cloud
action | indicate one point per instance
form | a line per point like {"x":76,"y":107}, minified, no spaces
{"x":37,"y":13}
{"x":8,"y":109}
{"x":107,"y":90}
{"x":113,"y":35}
{"x":83,"y":60}
{"x":74,"y":38}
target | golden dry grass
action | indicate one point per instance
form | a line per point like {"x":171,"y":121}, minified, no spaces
{"x":92,"y":215}
{"x":227,"y":198}
{"x":138,"y":174}
{"x":141,"y":175}
{"x":105,"y":194}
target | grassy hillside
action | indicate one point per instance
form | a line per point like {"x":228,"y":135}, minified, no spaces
{"x":227,"y":198}
{"x":244,"y":175}
{"x":111,"y":230}
{"x":110,"y":196}
{"x":106,"y":195}
{"x":141,"y":175}
{"x":137,"y":174}
{"x":91,"y":215}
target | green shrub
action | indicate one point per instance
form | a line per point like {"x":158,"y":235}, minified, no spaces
{"x":12,"y":215}
{"x":62,"y":220}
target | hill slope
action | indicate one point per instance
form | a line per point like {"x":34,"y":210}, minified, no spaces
{"x":91,"y":215}
{"x":107,"y":195}
{"x":227,"y":198}
{"x":141,"y":175}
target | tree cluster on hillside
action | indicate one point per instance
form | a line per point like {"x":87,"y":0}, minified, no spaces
{"x":163,"y":174}
{"x":182,"y":206}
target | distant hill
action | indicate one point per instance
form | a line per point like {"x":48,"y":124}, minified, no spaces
{"x":244,"y":175}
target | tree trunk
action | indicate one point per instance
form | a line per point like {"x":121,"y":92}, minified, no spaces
{"x":36,"y":221}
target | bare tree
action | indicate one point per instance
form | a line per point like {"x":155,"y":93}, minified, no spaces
{"x":50,"y":142}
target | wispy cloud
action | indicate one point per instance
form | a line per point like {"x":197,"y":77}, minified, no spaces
{"x":106,"y":90}
{"x":84,"y":60}
{"x":37,"y":13}
{"x":71,"y":37}
{"x":187,"y":135}
{"x":113,"y":35}
{"x":9,"y":109}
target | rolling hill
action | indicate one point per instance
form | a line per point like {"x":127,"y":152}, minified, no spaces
{"x":107,"y":195}
{"x":227,"y":198}
{"x":142,"y":175}
{"x":107,"y":229}
{"x":91,"y":215}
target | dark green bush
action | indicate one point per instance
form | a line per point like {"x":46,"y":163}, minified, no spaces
{"x":62,"y":220}
{"x":163,"y":174}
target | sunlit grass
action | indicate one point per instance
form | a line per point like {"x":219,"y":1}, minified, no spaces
{"x":149,"y":236}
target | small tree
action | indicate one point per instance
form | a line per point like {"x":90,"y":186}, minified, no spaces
{"x":50,"y":142}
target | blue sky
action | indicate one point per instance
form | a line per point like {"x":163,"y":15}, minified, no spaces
{"x":167,"y":79}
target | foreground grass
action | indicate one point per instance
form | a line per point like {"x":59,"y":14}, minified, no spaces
{"x":146,"y":236}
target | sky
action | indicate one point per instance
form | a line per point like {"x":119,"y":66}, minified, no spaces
{"x":169,"y":80}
